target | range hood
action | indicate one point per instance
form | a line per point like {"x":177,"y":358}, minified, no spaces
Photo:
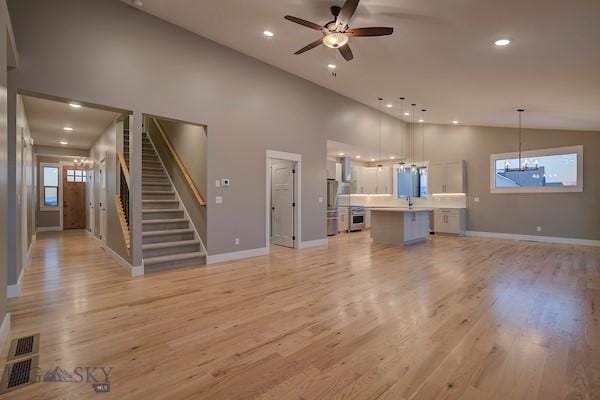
{"x":347,"y":169}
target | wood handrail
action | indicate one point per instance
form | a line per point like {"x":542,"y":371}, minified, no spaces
{"x":124,"y":167}
{"x":180,"y":164}
{"x":122,"y":221}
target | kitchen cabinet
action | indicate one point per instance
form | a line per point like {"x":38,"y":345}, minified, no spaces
{"x":448,"y":177}
{"x":384,"y":180}
{"x":367,"y":219}
{"x":343,"y":219}
{"x":338,"y":173}
{"x":450,"y":220}
{"x":372,"y":180}
{"x":331,"y":169}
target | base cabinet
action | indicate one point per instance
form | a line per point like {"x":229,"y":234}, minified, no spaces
{"x":343,"y":219}
{"x":450,"y":220}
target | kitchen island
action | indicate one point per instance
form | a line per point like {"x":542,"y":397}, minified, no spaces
{"x":399,"y":225}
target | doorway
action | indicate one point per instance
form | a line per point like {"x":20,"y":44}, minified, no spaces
{"x":102,"y":203}
{"x":74,"y":188}
{"x":282,"y":202}
{"x":283,"y":199}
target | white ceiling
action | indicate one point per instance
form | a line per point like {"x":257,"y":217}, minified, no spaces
{"x":47,"y":118}
{"x":441,"y":55}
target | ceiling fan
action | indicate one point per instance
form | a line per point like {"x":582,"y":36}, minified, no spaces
{"x":337,"y":33}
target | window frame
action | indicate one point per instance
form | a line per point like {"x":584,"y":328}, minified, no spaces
{"x":42,"y":187}
{"x":556,"y":151}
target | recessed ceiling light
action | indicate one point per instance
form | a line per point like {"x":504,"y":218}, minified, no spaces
{"x":331,"y":66}
{"x":268,"y":34}
{"x":68,"y":129}
{"x":421,"y":120}
{"x":357,"y":156}
{"x":407,"y":114}
{"x":372,"y":159}
{"x":502,"y":42}
{"x":455,"y":122}
{"x":389,"y":105}
{"x":340,"y":154}
{"x":138,"y":3}
{"x":392,"y":157}
{"x":75,"y":105}
{"x":64,"y":142}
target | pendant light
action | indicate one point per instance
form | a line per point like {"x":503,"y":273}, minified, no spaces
{"x":523,"y":166}
{"x":414,"y":166}
{"x":379,"y":165}
{"x":423,"y":111}
{"x":401,"y":122}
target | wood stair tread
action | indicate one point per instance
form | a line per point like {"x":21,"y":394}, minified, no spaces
{"x":166,"y":245}
{"x":174,"y":257}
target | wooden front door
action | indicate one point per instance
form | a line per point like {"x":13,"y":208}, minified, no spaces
{"x":73,"y":198}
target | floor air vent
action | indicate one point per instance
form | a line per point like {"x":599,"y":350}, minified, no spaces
{"x":19,"y":374}
{"x":24,"y":347}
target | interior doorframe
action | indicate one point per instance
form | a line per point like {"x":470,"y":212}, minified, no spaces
{"x":297,"y":159}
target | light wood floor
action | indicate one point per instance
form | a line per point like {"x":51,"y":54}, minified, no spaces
{"x":453,"y":318}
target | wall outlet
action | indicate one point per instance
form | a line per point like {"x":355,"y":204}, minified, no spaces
{"x":219,"y":200}
{"x":539,"y":228}
{"x":237,"y":241}
{"x":218,"y":183}
{"x":320,"y":199}
{"x":476,"y":199}
{"x":225,"y":182}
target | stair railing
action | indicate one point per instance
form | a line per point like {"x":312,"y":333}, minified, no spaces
{"x":180,"y":164}
{"x":123,"y":196}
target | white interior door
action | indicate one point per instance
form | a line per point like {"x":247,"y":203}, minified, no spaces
{"x":103,"y":201}
{"x":282,"y":200}
{"x":91,"y":201}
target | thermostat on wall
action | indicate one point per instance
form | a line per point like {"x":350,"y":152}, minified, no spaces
{"x":225,"y":182}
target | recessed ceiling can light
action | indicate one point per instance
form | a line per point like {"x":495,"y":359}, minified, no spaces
{"x":331,"y":66}
{"x":68,"y":129}
{"x":268,"y":34}
{"x":340,"y":154}
{"x":138,"y":3}
{"x":64,"y":142}
{"x":421,"y":120}
{"x":74,"y":105}
{"x":407,"y":114}
{"x":392,"y":157}
{"x":357,"y":156}
{"x":455,"y":122}
{"x":372,"y":160}
{"x":502,"y":42}
{"x":389,"y":105}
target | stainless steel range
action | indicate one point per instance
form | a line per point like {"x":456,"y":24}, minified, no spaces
{"x":332,"y":211}
{"x":357,"y":218}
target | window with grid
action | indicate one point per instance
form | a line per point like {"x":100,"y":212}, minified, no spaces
{"x":49,"y":186}
{"x":76,"y":176}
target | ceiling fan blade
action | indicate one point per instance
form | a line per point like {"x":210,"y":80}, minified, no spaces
{"x":304,"y":22}
{"x":346,"y":52}
{"x":374,"y":31}
{"x":310,"y":46}
{"x":348,"y":10}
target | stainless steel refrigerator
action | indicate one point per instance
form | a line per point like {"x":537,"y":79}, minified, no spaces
{"x":332,"y":211}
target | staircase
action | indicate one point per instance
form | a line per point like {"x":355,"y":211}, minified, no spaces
{"x":168,"y":237}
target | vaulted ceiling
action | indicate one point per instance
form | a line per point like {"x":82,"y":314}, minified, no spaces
{"x":442,"y":55}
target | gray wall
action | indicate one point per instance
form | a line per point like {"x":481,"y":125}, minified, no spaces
{"x":106,"y":147}
{"x":190,"y":143}
{"x":248,"y":106}
{"x":573,"y":215}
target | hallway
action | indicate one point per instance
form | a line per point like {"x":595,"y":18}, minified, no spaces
{"x":457,"y":317}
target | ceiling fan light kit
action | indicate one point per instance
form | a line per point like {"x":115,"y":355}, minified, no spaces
{"x":337,"y":33}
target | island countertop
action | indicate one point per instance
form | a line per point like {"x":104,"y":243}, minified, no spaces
{"x":400,"y":209}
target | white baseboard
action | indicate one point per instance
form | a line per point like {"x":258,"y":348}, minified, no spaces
{"x":535,"y":238}
{"x":313,"y":243}
{"x":236,"y":255}
{"x":134,"y":271}
{"x":48,"y":229}
{"x":4,"y":330}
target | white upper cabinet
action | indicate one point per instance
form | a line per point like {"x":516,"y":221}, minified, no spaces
{"x":447,"y":177}
{"x":331,"y":169}
{"x":384,"y":180}
{"x":370,"y":180}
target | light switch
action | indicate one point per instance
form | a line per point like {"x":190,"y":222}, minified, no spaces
{"x":219,"y":200}
{"x":476,"y":199}
{"x":218,"y":183}
{"x":320,"y":199}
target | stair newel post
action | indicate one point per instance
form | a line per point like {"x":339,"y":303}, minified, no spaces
{"x":135,"y":189}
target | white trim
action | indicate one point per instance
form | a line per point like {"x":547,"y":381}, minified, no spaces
{"x":237,"y":255}
{"x":43,"y":207}
{"x":134,"y":271}
{"x":535,"y":238}
{"x":4,"y":330}
{"x":48,"y":229}
{"x":13,"y":291}
{"x":297,"y":158}
{"x":539,"y":153}
{"x":314,"y":243}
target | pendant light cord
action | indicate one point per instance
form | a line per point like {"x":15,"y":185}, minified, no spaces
{"x":401,"y":122}
{"x":423,"y":135}
{"x":520,"y":113}
{"x":413,"y":134}
{"x":380,"y":115}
